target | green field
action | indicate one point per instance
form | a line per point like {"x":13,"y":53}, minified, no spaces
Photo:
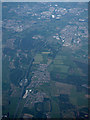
{"x":37,"y":59}
{"x":78,"y":98}
{"x":5,"y":75}
{"x":53,"y":91}
{"x":12,"y":107}
{"x":58,"y":68}
{"x":58,"y":65}
{"x":55,"y":108}
{"x":58,"y":61}
{"x":45,"y":59}
{"x":60,"y":57}
{"x":55,"y":88}
{"x":61,"y":68}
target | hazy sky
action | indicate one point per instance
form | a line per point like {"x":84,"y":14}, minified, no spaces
{"x":44,"y":0}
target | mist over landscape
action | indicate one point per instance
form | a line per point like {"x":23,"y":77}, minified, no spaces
{"x":45,"y":60}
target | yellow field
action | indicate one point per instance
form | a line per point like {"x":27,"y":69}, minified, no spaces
{"x":45,"y":52}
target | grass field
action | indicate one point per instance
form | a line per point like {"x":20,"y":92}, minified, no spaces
{"x":41,"y":58}
{"x":58,"y":65}
{"x":53,"y":91}
{"x":12,"y":107}
{"x":45,"y":59}
{"x":78,"y":98}
{"x":58,"y":61}
{"x":47,"y":106}
{"x":61,"y":68}
{"x":55,"y":108}
{"x":59,"y":57}
{"x":37,"y":59}
{"x":55,"y":88}
{"x":5,"y":76}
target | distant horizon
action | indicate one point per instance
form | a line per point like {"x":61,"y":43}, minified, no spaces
{"x":44,"y":1}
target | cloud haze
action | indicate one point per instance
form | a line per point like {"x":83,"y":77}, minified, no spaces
{"x":45,"y":0}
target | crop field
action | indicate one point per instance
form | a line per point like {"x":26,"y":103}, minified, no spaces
{"x":56,"y":88}
{"x":46,"y":53}
{"x":78,"y":98}
{"x":37,"y":59}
